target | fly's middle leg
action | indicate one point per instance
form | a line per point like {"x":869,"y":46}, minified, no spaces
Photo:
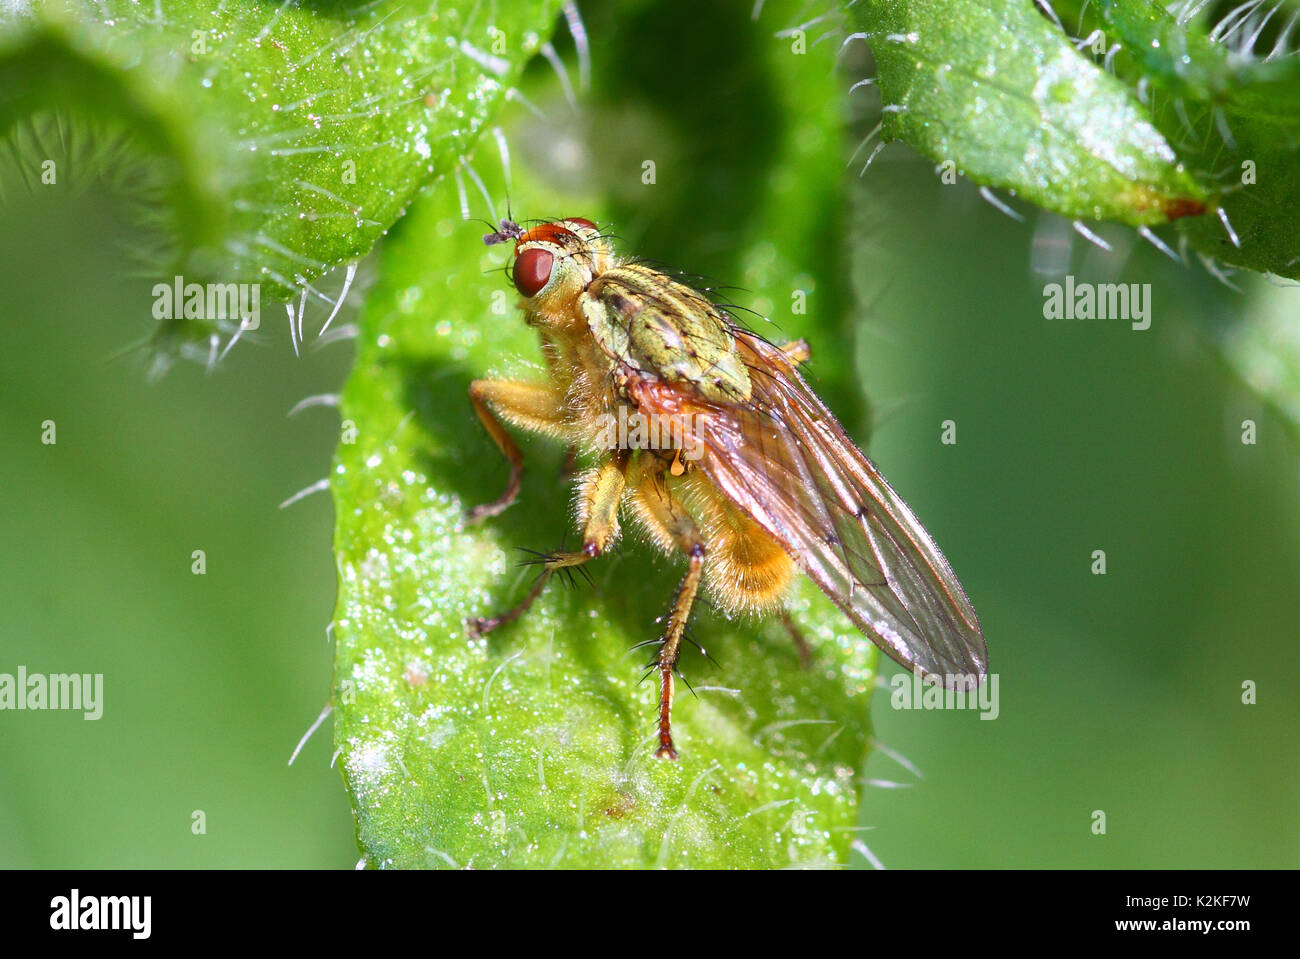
{"x":600,"y":491}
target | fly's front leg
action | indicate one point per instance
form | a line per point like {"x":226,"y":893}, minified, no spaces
{"x":600,"y":492}
{"x":532,"y":406}
{"x":669,"y":523}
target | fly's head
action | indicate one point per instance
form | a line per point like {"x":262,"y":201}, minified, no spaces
{"x":554,"y":263}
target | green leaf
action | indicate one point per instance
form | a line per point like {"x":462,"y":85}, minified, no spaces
{"x":534,"y":746}
{"x":995,"y":89}
{"x":1232,"y":115}
{"x":296,"y":133}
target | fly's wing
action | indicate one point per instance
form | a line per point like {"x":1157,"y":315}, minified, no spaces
{"x":787,"y":463}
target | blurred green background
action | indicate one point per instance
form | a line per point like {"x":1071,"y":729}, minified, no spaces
{"x":1119,"y":693}
{"x":209,"y":680}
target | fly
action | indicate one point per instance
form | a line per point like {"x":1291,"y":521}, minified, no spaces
{"x":734,"y":462}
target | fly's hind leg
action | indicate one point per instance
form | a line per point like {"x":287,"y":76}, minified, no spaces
{"x":669,"y":523}
{"x":796,"y":634}
{"x":600,"y":491}
{"x":672,"y":647}
{"x":532,"y":406}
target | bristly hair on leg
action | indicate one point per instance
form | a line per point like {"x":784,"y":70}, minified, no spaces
{"x":686,"y":634}
{"x":540,"y":557}
{"x":648,"y":642}
{"x":677,"y":671}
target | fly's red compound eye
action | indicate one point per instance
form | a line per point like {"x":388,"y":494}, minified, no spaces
{"x":532,"y":271}
{"x":584,"y":222}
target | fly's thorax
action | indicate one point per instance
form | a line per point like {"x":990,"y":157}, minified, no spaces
{"x":646,"y":320}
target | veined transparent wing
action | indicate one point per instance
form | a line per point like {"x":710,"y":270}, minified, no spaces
{"x":783,"y":458}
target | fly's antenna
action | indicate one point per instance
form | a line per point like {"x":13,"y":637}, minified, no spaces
{"x":509,"y":230}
